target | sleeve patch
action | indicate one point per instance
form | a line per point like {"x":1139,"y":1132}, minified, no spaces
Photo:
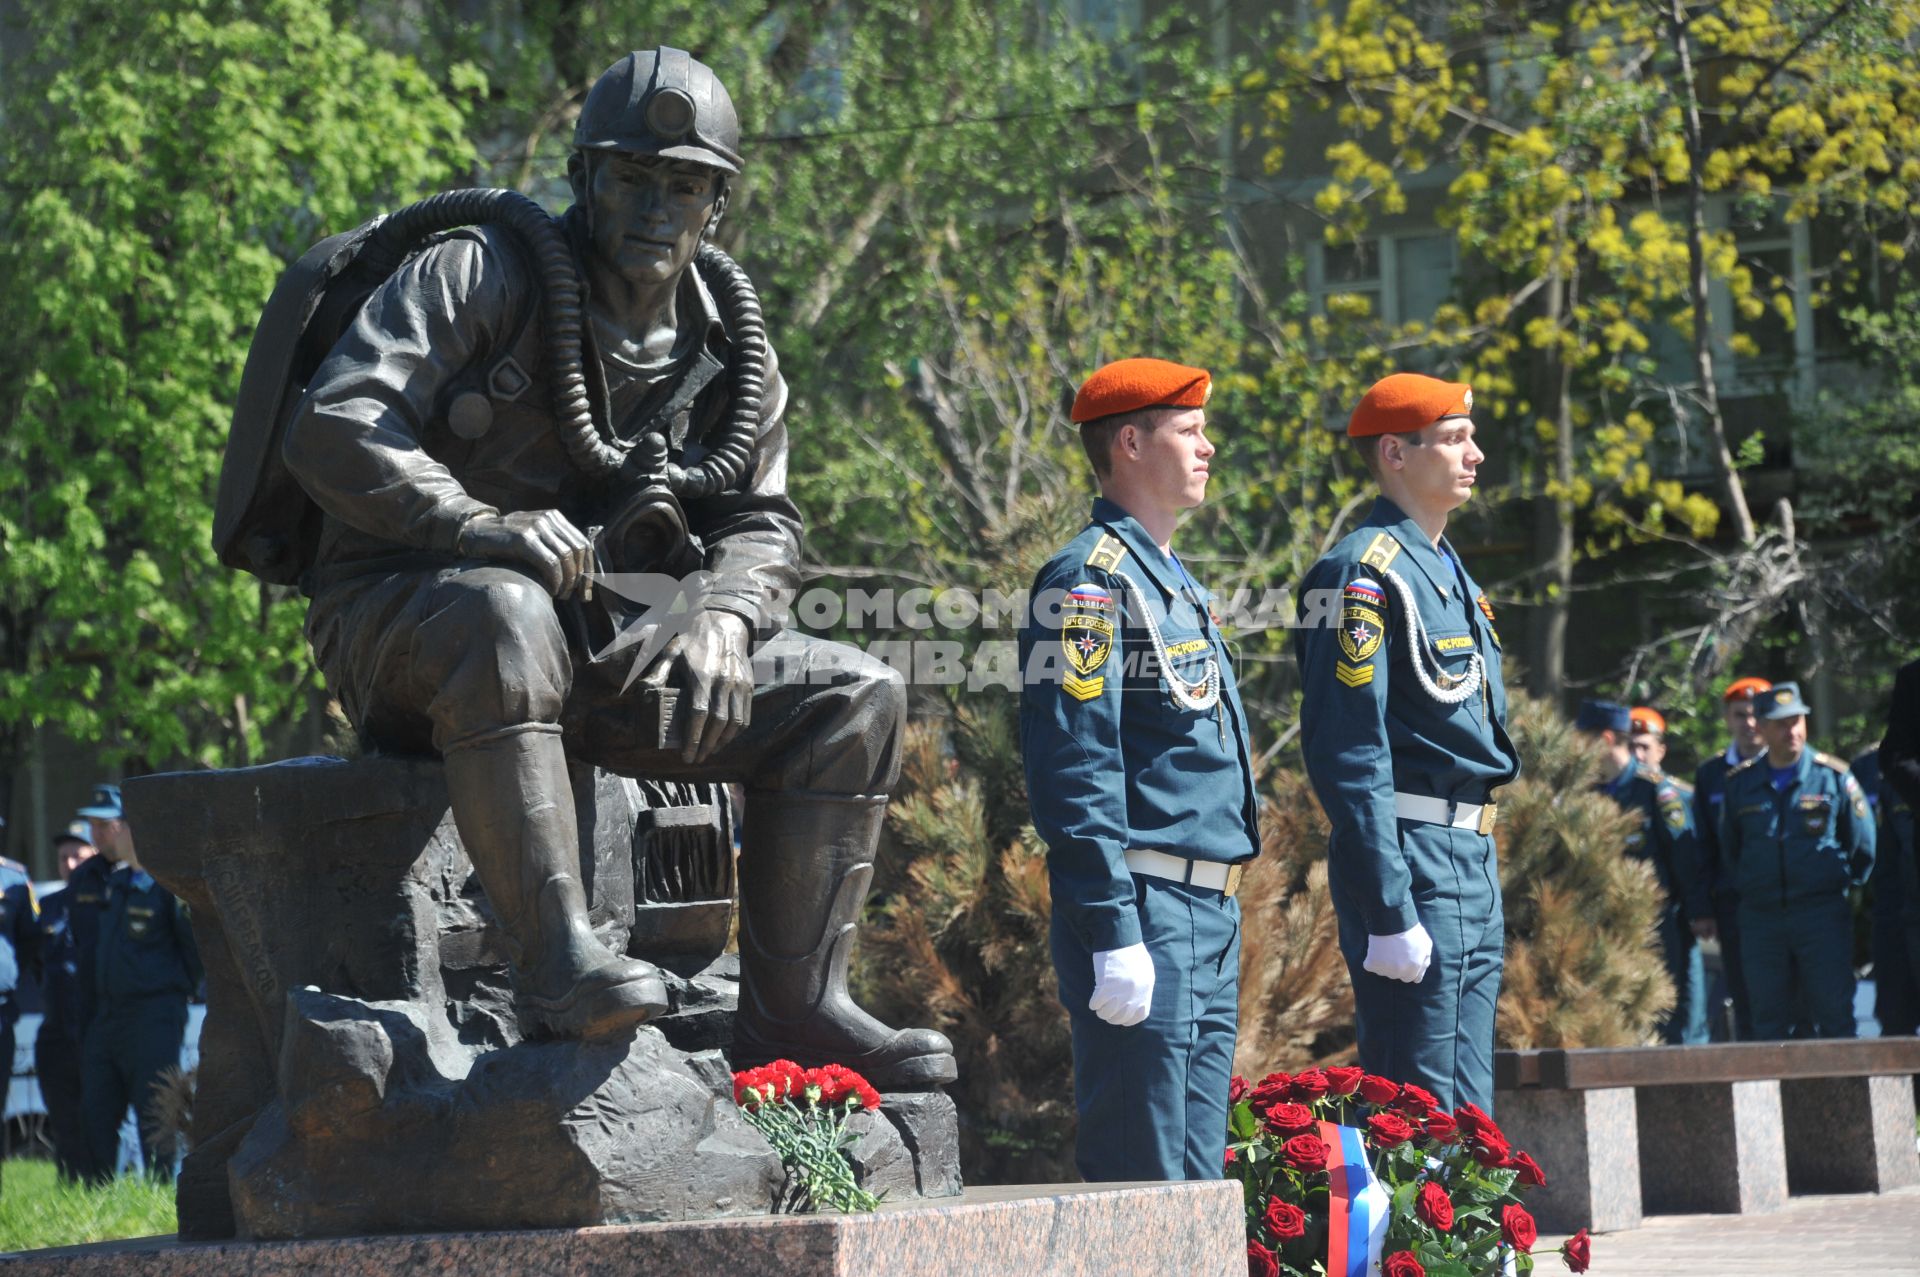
{"x":1083,"y":689}
{"x":1361,"y":629}
{"x":1352,"y":675}
{"x":1088,"y":597}
{"x":1674,"y":811}
{"x":1088,"y":640}
{"x":1366,"y":592}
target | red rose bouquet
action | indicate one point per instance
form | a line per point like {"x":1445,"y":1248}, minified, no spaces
{"x":1346,"y":1174}
{"x":803,"y":1114}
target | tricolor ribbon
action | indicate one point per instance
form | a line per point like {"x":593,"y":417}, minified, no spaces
{"x":1357,"y":1206}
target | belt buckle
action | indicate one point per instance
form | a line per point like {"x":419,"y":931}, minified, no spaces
{"x":1234,"y":872}
{"x":1489,"y":812}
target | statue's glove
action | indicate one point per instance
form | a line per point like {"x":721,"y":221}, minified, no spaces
{"x":1122,"y":985}
{"x":546,"y":541}
{"x":1400,"y":957}
{"x":710,"y":663}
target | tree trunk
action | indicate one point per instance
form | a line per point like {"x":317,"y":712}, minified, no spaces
{"x":1553,"y":510}
{"x":1732,"y":492}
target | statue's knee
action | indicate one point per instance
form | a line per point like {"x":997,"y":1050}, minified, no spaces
{"x":495,"y":650}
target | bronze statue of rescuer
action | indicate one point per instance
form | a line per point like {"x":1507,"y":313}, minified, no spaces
{"x":474,"y":491}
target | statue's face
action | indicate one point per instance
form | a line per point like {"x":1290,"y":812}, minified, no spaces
{"x":648,"y":215}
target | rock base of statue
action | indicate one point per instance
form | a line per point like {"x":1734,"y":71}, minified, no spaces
{"x":362,"y":1069}
{"x":1117,"y":1230}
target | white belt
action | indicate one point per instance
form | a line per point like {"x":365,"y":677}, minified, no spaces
{"x":1438,"y":811}
{"x":1210,"y":874}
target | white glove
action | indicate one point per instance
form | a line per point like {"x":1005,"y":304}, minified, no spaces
{"x":1401,"y":957}
{"x":1122,"y":985}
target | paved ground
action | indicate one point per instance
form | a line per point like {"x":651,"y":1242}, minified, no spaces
{"x":1812,"y":1237}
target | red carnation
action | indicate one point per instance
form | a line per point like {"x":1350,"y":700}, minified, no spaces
{"x":1530,"y":1172}
{"x":1442,"y":1128}
{"x":1577,"y":1250}
{"x":1402,"y":1264}
{"x":1260,"y":1261}
{"x":1474,"y":1121}
{"x":1417,"y":1101}
{"x":1310,"y":1086}
{"x":1237,"y":1089}
{"x":1283,"y":1119}
{"x":1389,"y":1129}
{"x":1344,"y":1080}
{"x":1517,"y":1227}
{"x":1306,"y":1153}
{"x":1434,"y":1206}
{"x":1378,"y":1090}
{"x":1285,"y":1220}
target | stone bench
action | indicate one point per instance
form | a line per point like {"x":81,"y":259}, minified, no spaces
{"x":1727,"y":1127}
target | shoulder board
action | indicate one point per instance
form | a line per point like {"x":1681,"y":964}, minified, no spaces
{"x":1654,"y":774}
{"x":1106,"y":553}
{"x":9,"y":863}
{"x":1381,"y":551}
{"x":1684,"y":786}
{"x":1745,"y":763}
{"x":1828,"y":760}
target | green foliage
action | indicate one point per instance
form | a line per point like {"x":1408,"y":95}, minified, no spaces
{"x":37,"y":1210}
{"x":163,"y":162}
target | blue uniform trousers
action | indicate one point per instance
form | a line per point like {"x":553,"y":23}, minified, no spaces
{"x":1731,"y":986}
{"x":1687,"y":1024}
{"x":1438,"y":1033}
{"x":1799,"y":966}
{"x":56,"y":1062}
{"x":128,"y":1045}
{"x":1152,"y":1097}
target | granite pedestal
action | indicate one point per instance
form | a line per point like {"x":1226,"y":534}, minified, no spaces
{"x":1849,"y":1134}
{"x":1711,"y":1148}
{"x":1589,"y":1142}
{"x":1113,"y":1230}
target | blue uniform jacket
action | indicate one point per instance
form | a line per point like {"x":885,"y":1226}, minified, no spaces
{"x":19,"y":935}
{"x":1367,"y":725}
{"x":59,"y":965}
{"x":145,"y":948}
{"x":1665,"y":835}
{"x":1893,"y":834}
{"x":1112,"y":761}
{"x":1814,"y":838}
{"x":1712,"y":880}
{"x":85,"y":904}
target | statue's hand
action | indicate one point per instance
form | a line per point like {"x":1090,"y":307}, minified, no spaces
{"x":544,"y":540}
{"x":710,"y":664}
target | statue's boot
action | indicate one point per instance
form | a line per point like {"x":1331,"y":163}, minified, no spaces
{"x":513,"y":803}
{"x":806,"y":863}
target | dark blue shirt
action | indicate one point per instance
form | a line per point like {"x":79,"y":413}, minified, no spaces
{"x":1812,"y":838}
{"x":1113,"y":761}
{"x":1368,"y":725}
{"x":145,"y":948}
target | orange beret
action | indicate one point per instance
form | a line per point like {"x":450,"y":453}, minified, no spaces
{"x":1745,"y":689}
{"x":1128,"y":385}
{"x":1648,"y":720}
{"x":1408,"y":401}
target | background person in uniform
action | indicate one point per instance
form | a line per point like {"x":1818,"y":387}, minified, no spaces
{"x":1141,"y":783}
{"x":1665,"y":839}
{"x":1894,"y":1005}
{"x":56,"y":1049}
{"x":1900,"y":779}
{"x":1712,"y":878}
{"x":19,"y":946}
{"x":1403,"y":728}
{"x":1798,"y":835}
{"x":145,"y":970}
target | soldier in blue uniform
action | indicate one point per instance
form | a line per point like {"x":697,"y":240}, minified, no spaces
{"x":1665,"y":839}
{"x":19,"y":947}
{"x":1797,"y":833}
{"x":1896,"y":1000}
{"x":145,"y":970}
{"x":66,"y":913}
{"x":1713,"y":880}
{"x":1141,"y":783}
{"x":1403,"y":728}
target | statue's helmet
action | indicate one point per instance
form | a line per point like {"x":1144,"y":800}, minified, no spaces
{"x":661,"y":102}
